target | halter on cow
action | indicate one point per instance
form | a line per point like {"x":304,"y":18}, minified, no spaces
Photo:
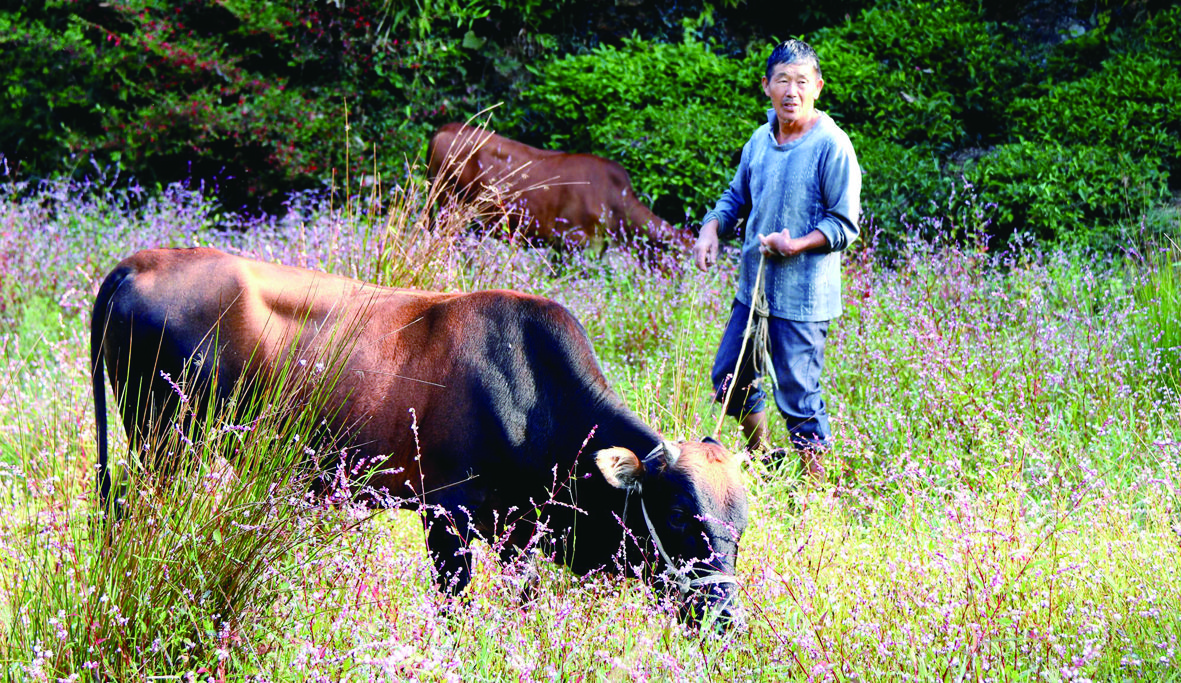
{"x":678,"y":574}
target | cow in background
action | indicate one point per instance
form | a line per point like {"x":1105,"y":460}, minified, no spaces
{"x":560,"y":199}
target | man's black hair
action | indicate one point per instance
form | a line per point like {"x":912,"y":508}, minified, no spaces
{"x":793,"y":52}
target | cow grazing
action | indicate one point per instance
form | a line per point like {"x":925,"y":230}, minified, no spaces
{"x":575,"y":200}
{"x":504,"y":388}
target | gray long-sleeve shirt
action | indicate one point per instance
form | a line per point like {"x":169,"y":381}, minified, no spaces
{"x":813,"y":182}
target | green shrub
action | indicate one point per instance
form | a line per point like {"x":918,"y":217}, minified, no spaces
{"x":1072,"y":193}
{"x":48,"y":78}
{"x":682,"y":169}
{"x":916,"y":72}
{"x":898,"y":180}
{"x":1067,"y":160}
{"x":914,"y":83}
{"x":251,"y":95}
{"x":1132,"y":103}
{"x":675,"y":115}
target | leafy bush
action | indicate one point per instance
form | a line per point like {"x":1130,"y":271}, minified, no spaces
{"x":897,"y":180}
{"x":252,"y":95}
{"x":675,"y":115}
{"x":680,"y":168}
{"x":1131,"y":103}
{"x":1077,"y":193}
{"x":916,"y":73}
{"x":1093,"y":153}
{"x":48,"y":80}
{"x":1066,"y":160}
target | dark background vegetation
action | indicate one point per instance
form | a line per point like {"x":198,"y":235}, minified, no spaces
{"x":1056,"y":119}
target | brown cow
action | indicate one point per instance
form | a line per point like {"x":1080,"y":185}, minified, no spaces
{"x":575,"y":200}
{"x":504,"y":387}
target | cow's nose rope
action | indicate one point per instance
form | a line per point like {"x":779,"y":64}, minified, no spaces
{"x":683,"y":582}
{"x":759,"y":330}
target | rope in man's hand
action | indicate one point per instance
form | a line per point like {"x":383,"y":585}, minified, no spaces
{"x":760,"y":331}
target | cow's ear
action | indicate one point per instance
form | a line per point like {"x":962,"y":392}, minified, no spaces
{"x":672,"y":452}
{"x":620,"y":467}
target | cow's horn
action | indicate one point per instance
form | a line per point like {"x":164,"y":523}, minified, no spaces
{"x":671,"y":452}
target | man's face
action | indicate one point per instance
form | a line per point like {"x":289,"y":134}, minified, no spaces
{"x":793,"y":89}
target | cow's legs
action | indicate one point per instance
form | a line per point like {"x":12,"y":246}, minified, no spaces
{"x":522,"y":567}
{"x":447,"y":542}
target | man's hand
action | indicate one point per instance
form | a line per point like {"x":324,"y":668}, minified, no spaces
{"x":782,"y":244}
{"x":705,"y":250}
{"x":778,"y":244}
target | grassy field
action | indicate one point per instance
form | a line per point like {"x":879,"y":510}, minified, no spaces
{"x":1001,"y":504}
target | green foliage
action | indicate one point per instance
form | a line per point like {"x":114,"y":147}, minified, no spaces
{"x":1077,"y":193}
{"x":675,"y":115}
{"x":1072,"y":160}
{"x":663,"y":154}
{"x":250,"y":94}
{"x":916,"y":73}
{"x":1131,"y":103}
{"x":898,"y":180}
{"x":48,"y":80}
{"x":253,"y":96}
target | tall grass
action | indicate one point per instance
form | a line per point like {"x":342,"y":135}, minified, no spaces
{"x":213,"y":527}
{"x":1001,"y":504}
{"x":1157,"y":288}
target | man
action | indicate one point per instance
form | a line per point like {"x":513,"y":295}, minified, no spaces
{"x":800,"y":182}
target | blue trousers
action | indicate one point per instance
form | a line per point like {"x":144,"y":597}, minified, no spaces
{"x":797,"y":354}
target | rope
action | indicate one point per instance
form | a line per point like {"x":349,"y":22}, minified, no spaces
{"x":678,"y":575}
{"x":760,"y":331}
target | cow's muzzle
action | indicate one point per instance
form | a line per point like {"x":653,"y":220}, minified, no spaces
{"x":711,"y":601}
{"x":708,"y":596}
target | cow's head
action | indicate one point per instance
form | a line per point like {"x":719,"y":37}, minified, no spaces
{"x":693,"y":503}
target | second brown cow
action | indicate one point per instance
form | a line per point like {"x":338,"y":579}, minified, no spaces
{"x":561,"y":199}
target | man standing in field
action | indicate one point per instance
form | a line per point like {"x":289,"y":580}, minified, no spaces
{"x":800,"y":182}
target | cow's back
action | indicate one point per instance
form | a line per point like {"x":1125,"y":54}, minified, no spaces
{"x":579,"y":200}
{"x":188,"y":317}
{"x":443,"y":376}
{"x":580,"y":191}
{"x":471,"y":157}
{"x":502,"y":386}
{"x":201,"y":301}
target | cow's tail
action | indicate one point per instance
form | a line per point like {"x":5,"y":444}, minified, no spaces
{"x":434,"y":157}
{"x":99,"y":318}
{"x":439,"y":181}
